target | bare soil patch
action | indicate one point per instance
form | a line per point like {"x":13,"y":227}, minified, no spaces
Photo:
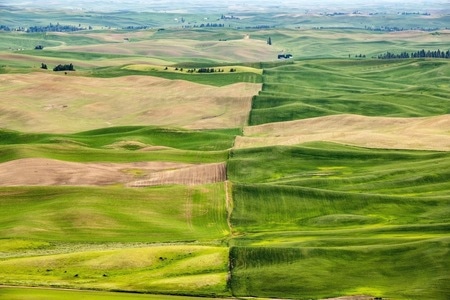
{"x":427,"y":133}
{"x":44,"y":102}
{"x":191,"y":175}
{"x":46,"y":172}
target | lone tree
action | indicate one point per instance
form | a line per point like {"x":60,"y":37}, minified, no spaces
{"x":269,"y":41}
{"x":44,"y":66}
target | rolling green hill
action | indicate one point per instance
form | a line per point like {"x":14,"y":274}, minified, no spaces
{"x":322,"y":220}
{"x":397,"y":88}
{"x":77,"y":214}
{"x":124,"y":144}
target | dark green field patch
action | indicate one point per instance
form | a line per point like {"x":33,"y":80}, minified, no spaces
{"x":417,"y":269}
{"x":323,"y":220}
{"x":409,"y":88}
{"x":326,"y":166}
{"x":120,"y":144}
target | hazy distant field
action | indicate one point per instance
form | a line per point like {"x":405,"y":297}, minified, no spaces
{"x":319,"y":176}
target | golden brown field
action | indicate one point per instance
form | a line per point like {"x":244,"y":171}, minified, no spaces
{"x":44,"y":172}
{"x":42,"y":102}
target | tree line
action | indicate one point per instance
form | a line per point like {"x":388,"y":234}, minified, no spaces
{"x":56,"y":28}
{"x":396,"y":28}
{"x":60,"y":67}
{"x":203,"y":70}
{"x":418,"y":54}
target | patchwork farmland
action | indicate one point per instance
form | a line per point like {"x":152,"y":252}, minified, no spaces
{"x":319,"y":176}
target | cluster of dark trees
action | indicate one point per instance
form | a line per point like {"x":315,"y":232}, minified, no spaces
{"x":418,"y":54}
{"x":137,"y":27}
{"x":223,"y":17}
{"x":210,"y":70}
{"x":414,"y":13}
{"x":60,"y":67}
{"x":202,"y":70}
{"x":357,"y":12}
{"x":257,"y":27}
{"x":210,"y":25}
{"x":203,"y":25}
{"x":379,"y":28}
{"x":395,"y":28}
{"x":7,"y":28}
{"x":286,"y":56}
{"x":56,"y":28}
{"x":335,"y":14}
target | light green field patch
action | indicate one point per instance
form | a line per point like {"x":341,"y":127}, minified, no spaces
{"x":17,"y":293}
{"x":137,"y":173}
{"x":196,"y":282}
{"x":12,"y":245}
{"x":165,"y":268}
{"x":144,"y":67}
{"x":78,"y":214}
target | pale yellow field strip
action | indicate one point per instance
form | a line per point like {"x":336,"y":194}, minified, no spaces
{"x":192,"y":175}
{"x":427,"y":133}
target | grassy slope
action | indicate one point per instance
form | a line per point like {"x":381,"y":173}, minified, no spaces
{"x":166,"y":214}
{"x":216,"y":79}
{"x":206,"y":140}
{"x":50,"y":234}
{"x":327,"y":220}
{"x":175,"y":269}
{"x":328,"y":185}
{"x":411,"y":271}
{"x":121,"y":144}
{"x":327,"y":166}
{"x":321,"y":220}
{"x":398,"y":88}
{"x":338,"y":220}
{"x":46,"y":221}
